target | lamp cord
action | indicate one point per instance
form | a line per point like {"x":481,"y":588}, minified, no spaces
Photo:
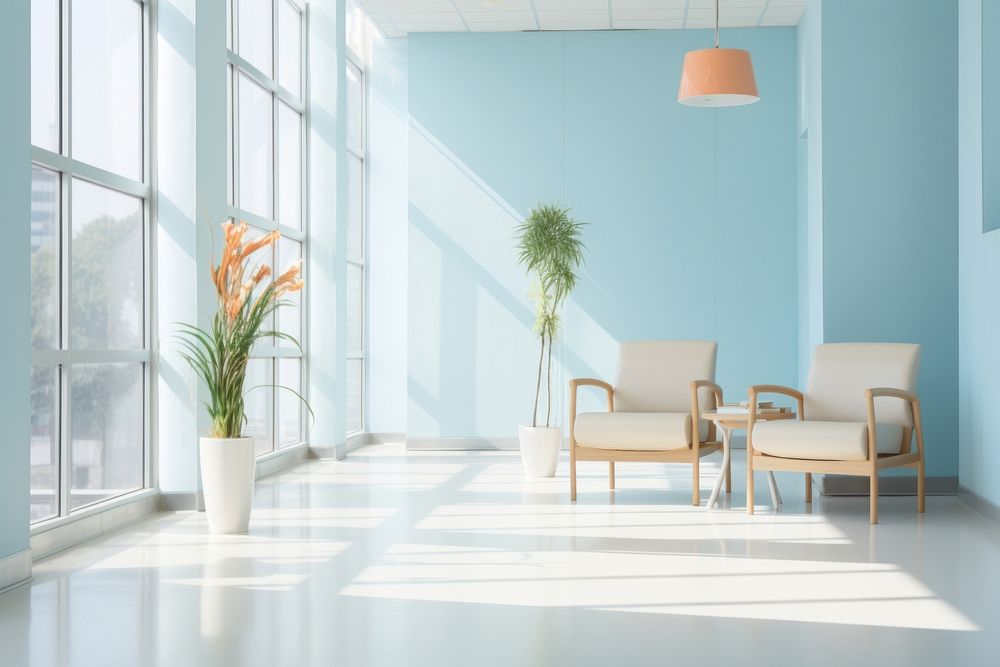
{"x":716,"y":23}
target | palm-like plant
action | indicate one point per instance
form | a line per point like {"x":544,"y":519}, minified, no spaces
{"x":246,"y":303}
{"x":551,"y":251}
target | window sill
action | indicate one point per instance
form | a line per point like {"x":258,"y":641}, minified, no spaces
{"x":53,"y":535}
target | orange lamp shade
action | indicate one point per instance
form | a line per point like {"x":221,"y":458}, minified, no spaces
{"x":717,"y":78}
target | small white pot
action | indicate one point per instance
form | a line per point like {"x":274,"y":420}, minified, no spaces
{"x":227,"y":476}
{"x":539,"y":449}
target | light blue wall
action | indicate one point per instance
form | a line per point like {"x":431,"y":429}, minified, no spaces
{"x":890,"y":192}
{"x":989,"y":39}
{"x":15,"y":189}
{"x":692,"y":212}
{"x":979,"y":270}
{"x":810,"y":184}
{"x":387,"y":240}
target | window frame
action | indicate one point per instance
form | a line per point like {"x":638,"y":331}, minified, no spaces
{"x":238,"y":65}
{"x":357,"y":62}
{"x":63,"y":358}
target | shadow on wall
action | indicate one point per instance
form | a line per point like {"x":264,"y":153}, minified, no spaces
{"x":472,"y":353}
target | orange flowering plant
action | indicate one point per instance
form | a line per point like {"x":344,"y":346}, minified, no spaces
{"x":247,"y":300}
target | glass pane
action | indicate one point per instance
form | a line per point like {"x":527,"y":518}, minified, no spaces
{"x":355,"y":28}
{"x":259,"y":404}
{"x":289,"y":166}
{"x":106,"y":291}
{"x":355,"y":207}
{"x":44,"y":442}
{"x":354,"y":388}
{"x":355,"y":308}
{"x":106,"y":422}
{"x":254,"y":33}
{"x":255,"y":147}
{"x":45,"y":74}
{"x":289,"y":405}
{"x":355,"y":106}
{"x":263,"y":257}
{"x":289,"y":47}
{"x":106,"y":82}
{"x":44,"y":258}
{"x":290,"y":316}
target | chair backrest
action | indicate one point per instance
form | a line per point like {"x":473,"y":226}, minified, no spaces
{"x":841,"y":372}
{"x":656,"y":375}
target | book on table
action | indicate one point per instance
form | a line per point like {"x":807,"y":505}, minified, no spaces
{"x":743,"y":408}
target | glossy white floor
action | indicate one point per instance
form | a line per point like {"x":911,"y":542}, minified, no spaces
{"x":441,"y":558}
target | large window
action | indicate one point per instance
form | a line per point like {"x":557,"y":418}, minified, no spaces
{"x":356,"y":218}
{"x":267,"y":179}
{"x":89,"y":253}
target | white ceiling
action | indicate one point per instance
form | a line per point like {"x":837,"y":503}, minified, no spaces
{"x":398,"y":17}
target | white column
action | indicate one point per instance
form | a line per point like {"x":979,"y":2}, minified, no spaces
{"x":15,"y":275}
{"x":191,"y":204}
{"x":326,"y":269}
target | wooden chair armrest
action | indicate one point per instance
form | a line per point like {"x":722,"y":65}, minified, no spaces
{"x":696,"y":409}
{"x":590,"y":382}
{"x":891,"y":392}
{"x":716,"y":389}
{"x":576,"y":383}
{"x":776,"y":389}
{"x":800,"y":399}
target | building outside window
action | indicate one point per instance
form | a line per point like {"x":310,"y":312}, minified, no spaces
{"x":90,"y":222}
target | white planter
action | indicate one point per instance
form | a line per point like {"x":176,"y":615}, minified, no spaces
{"x":227,"y":475}
{"x":539,"y":449}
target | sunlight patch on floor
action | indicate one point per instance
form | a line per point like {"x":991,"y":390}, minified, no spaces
{"x":731,"y":587}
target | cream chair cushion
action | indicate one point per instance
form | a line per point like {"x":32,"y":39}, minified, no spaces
{"x":841,"y":372}
{"x":645,"y":431}
{"x":656,"y":375}
{"x":824,"y":440}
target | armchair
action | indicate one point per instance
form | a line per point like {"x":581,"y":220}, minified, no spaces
{"x":839,"y":430}
{"x":654,"y":409}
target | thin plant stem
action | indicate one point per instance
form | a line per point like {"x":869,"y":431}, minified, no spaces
{"x":538,"y":384}
{"x":548,"y":389}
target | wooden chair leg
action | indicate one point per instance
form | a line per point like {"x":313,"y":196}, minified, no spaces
{"x":611,"y":474}
{"x":729,"y":476}
{"x":809,"y":487}
{"x":696,"y":482}
{"x":572,"y":472}
{"x":921,"y":485}
{"x":749,"y":483}
{"x":873,"y":501}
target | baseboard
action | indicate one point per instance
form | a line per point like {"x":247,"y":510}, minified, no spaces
{"x":984,"y":506}
{"x":385,"y":438}
{"x":283,"y":459}
{"x":15,"y":570}
{"x":847,"y":485}
{"x":80,"y":528}
{"x":357,"y":441}
{"x":193,"y":501}
{"x":459,"y":444}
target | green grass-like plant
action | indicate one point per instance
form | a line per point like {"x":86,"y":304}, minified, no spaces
{"x":551,"y":250}
{"x":247,"y":302}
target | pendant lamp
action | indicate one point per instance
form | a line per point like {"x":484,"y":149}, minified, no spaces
{"x":717,"y":77}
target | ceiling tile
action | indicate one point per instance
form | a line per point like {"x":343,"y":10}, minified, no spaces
{"x":575,"y":15}
{"x":648,"y":24}
{"x":573,"y":24}
{"x":648,"y":14}
{"x":648,"y":4}
{"x":493,"y":5}
{"x":784,"y":11}
{"x":571,"y":5}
